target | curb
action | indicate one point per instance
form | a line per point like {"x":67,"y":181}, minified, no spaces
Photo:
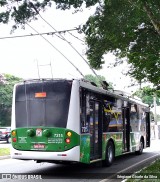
{"x":5,"y":157}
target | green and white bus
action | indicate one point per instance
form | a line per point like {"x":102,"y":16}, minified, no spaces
{"x":74,"y":121}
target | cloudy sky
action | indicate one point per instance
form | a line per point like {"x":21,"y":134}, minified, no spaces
{"x":19,"y":56}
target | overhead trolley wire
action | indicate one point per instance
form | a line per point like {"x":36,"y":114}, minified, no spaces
{"x":51,"y":45}
{"x":75,"y":37}
{"x":63,"y":38}
{"x":56,"y":49}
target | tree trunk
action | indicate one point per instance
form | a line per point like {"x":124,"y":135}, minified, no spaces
{"x":155,"y":23}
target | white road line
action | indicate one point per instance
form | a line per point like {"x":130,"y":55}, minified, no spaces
{"x":122,"y":171}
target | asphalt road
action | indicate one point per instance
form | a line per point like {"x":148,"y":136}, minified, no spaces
{"x":126,"y":164}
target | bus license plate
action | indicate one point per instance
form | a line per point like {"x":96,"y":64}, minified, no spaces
{"x":39,"y":146}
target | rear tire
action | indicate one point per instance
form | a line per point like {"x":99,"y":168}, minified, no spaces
{"x":109,"y":155}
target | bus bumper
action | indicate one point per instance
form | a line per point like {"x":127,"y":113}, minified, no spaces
{"x":69,"y":155}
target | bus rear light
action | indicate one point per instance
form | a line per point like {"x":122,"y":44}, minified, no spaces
{"x":14,"y":139}
{"x":14,"y":133}
{"x":69,"y":134}
{"x":68,"y":140}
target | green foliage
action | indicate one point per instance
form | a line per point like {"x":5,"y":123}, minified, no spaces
{"x":98,"y":80}
{"x":4,"y":151}
{"x":125,"y":28}
{"x":4,"y":17}
{"x":147,"y":94}
{"x":151,"y":171}
{"x":6,"y":99}
{"x":23,"y":11}
{"x":129,"y":29}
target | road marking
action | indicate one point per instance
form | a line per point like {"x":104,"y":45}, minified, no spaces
{"x":122,"y":171}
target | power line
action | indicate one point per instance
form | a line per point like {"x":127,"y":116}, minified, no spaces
{"x":45,"y":33}
{"x":51,"y":44}
{"x":56,"y":49}
{"x":76,"y":37}
{"x":63,"y":38}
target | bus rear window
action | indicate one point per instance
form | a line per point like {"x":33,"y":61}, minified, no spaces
{"x":45,"y":103}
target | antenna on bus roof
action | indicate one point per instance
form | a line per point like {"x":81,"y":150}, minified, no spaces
{"x":38,"y":65}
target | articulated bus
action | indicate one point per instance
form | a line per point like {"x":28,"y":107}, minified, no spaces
{"x":63,"y":121}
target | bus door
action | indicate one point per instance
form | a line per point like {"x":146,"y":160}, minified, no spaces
{"x":95,"y":130}
{"x":126,"y":129}
{"x":148,"y":129}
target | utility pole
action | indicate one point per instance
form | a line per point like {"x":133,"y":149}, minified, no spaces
{"x":155,"y":115}
{"x":38,"y":69}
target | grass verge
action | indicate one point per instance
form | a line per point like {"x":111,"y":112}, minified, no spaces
{"x":4,"y":151}
{"x":150,"y":173}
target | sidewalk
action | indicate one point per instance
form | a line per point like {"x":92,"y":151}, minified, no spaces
{"x":155,"y":144}
{"x":5,"y":157}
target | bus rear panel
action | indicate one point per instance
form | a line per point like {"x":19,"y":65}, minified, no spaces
{"x":39,"y":127}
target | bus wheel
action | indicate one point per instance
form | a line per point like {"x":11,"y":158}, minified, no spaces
{"x":109,"y":155}
{"x":140,"y":151}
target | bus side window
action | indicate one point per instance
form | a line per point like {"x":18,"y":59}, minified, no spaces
{"x":106,"y":121}
{"x":134,"y":118}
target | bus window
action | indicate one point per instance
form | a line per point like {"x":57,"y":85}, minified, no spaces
{"x":115,"y":124}
{"x":106,"y":121}
{"x":142,"y":119}
{"x":51,"y":110}
{"x":113,"y":115}
{"x":85,"y":112}
{"x":134,"y":117}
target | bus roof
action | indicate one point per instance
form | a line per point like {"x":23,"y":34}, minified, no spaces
{"x":86,"y":84}
{"x":120,"y":94}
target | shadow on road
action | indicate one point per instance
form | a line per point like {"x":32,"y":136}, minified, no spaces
{"x":92,"y":171}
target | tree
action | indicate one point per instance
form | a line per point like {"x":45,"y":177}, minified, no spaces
{"x":147,"y":94}
{"x":6,"y":99}
{"x":2,"y":80}
{"x":129,"y":29}
{"x":98,"y":80}
{"x":23,"y":11}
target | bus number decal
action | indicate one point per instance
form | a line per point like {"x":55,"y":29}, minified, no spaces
{"x":58,"y":135}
